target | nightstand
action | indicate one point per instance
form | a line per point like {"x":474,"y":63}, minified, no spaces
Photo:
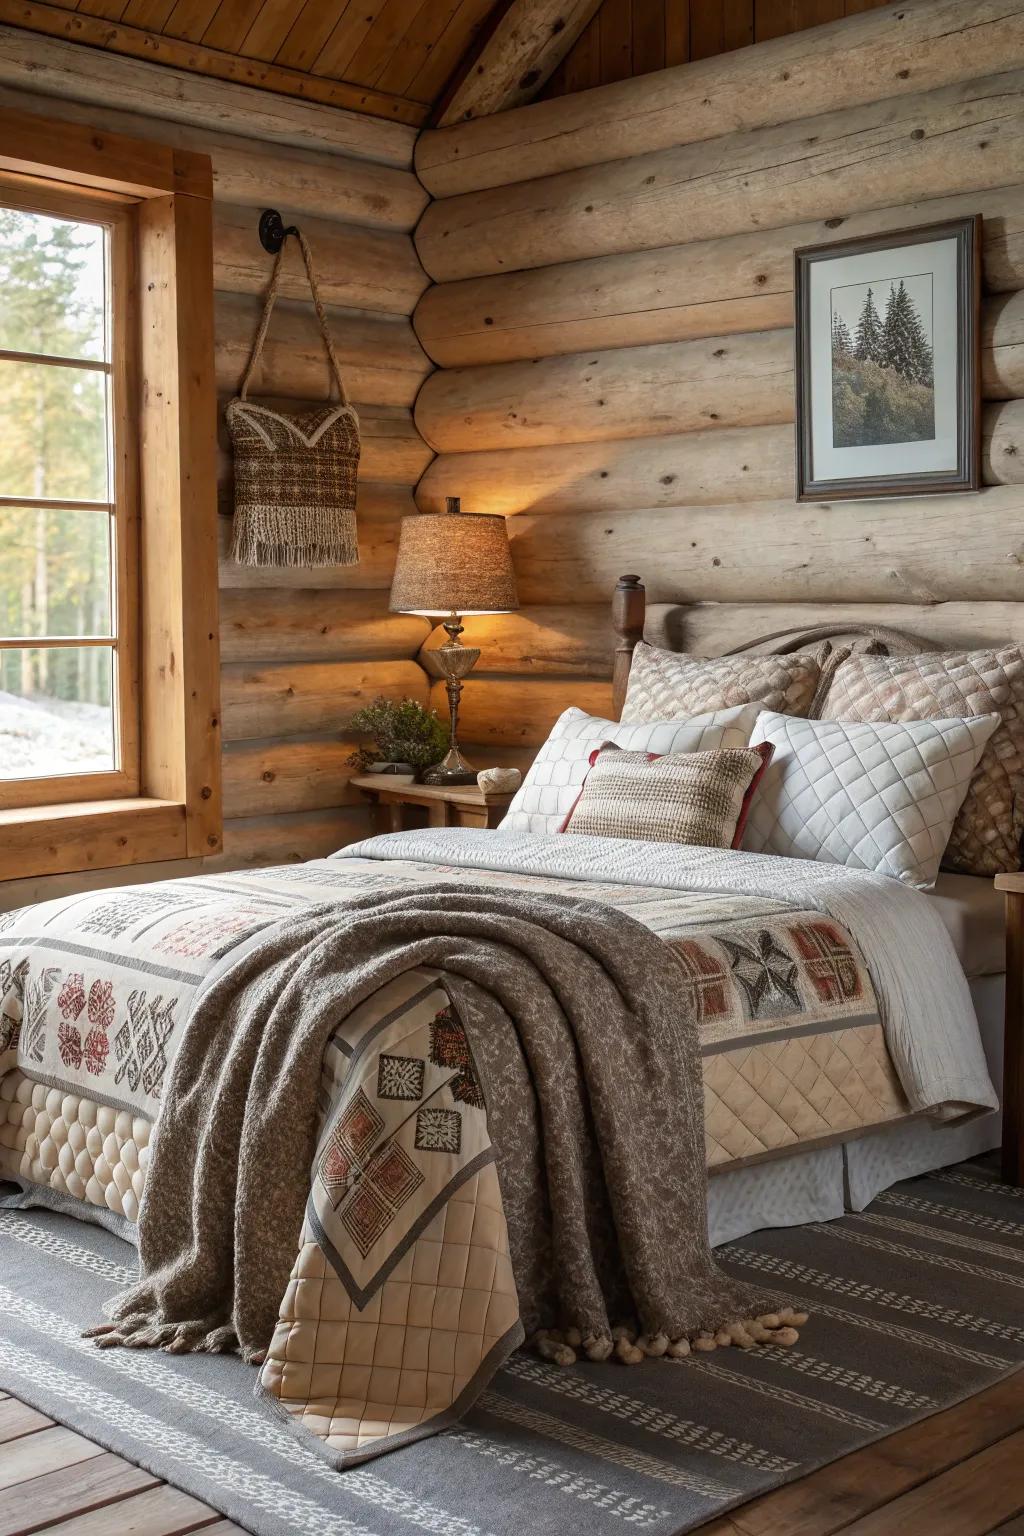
{"x":462,"y":805}
{"x":1012,"y":887}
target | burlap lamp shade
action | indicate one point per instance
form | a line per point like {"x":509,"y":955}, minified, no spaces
{"x":453,"y":563}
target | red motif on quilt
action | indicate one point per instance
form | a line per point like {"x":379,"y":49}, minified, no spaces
{"x":72,"y":1000}
{"x":707,"y":984}
{"x":450,"y":1048}
{"x":71,"y":997}
{"x":829,"y":962}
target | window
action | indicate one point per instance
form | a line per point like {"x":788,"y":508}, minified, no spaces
{"x":69,"y":710}
{"x":109,"y":662}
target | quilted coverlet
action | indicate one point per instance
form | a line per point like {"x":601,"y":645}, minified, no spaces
{"x":418,"y":1265}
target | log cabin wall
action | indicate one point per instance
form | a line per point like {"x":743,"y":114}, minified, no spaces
{"x":301,"y":650}
{"x":612,"y":324}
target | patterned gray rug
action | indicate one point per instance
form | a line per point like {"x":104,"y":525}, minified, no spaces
{"x":917,"y":1304}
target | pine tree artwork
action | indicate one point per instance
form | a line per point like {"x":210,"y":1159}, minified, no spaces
{"x":882,"y":363}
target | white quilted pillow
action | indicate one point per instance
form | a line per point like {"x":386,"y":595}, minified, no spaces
{"x":546,"y":795}
{"x":880,"y":796}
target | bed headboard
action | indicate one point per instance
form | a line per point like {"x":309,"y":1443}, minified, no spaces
{"x":721,"y":629}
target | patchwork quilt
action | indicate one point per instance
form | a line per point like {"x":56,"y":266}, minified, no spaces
{"x":404,"y":1286}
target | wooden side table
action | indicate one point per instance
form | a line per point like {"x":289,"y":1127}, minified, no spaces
{"x":463,"y":805}
{"x":1012,"y":887}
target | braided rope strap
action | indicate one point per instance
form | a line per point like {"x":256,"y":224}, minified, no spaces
{"x":295,"y":474}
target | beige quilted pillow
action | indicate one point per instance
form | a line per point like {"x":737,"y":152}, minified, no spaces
{"x":666,"y":685}
{"x":987,"y":832}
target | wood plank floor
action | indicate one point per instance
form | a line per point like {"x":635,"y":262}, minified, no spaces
{"x":959,"y":1473}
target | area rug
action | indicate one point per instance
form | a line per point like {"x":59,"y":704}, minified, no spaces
{"x":917,"y":1303}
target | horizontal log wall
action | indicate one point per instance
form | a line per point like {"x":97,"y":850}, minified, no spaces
{"x":612,"y":322}
{"x":301,"y":650}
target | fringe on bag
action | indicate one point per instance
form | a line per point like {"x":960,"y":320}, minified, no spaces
{"x":295,"y":475}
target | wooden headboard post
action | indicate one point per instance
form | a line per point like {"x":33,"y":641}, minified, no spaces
{"x":629,"y":606}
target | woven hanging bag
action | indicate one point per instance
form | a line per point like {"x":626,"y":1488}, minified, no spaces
{"x":295,"y":475}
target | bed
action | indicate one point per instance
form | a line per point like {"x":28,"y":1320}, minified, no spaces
{"x":817,"y":1091}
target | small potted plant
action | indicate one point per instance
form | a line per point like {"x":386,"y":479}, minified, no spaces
{"x":406,"y":738}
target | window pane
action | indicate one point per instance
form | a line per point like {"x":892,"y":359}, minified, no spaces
{"x":53,"y":282}
{"x":56,"y":715}
{"x":53,"y":432}
{"x":54,"y":572}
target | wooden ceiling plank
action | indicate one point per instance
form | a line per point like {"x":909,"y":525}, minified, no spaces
{"x":778,"y":18}
{"x":190,"y":19}
{"x":383,"y":38}
{"x":352,"y":27}
{"x":310,"y":31}
{"x":677,"y":32}
{"x":583,"y":64}
{"x":455,"y":41}
{"x":230,"y":23}
{"x":414,"y":50}
{"x":271,"y":26}
{"x":174,"y":54}
{"x":739,"y":22}
{"x":616,"y":26}
{"x":107,"y":10}
{"x":148,"y":14}
{"x":530,"y":39}
{"x":648,"y":36}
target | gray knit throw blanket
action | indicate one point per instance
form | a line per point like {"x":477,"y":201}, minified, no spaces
{"x":595,"y":1103}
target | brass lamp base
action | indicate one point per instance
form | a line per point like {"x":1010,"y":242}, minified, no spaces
{"x":454,"y":660}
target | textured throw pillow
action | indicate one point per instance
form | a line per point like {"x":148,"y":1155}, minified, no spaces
{"x":546,"y":795}
{"x":987,"y":833}
{"x":871,"y":796}
{"x":664,"y":685}
{"x":700,"y":798}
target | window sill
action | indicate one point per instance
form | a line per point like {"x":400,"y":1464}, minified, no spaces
{"x":94,"y":834}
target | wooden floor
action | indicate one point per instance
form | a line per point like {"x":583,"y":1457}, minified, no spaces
{"x":960,"y":1473}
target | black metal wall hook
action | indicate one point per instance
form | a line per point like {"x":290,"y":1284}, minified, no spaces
{"x":272,"y":231}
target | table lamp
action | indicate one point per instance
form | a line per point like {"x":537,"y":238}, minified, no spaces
{"x":453,"y":563}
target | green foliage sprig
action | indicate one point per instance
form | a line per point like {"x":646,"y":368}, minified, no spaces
{"x":402,"y":733}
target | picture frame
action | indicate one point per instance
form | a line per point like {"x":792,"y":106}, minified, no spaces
{"x":888,"y":392}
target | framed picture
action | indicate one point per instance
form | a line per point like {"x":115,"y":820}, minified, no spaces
{"x":887,"y":369}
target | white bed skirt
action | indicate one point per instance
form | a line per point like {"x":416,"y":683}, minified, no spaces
{"x":820,"y":1185}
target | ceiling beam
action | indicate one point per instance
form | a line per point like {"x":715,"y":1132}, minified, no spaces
{"x":527,"y":41}
{"x":134,"y":42}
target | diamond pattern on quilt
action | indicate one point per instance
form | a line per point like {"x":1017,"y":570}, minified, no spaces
{"x":438,"y":1130}
{"x":358,"y":1127}
{"x":987,"y":834}
{"x":667,"y":685}
{"x":778,"y":1093}
{"x":387,"y":1182}
{"x":400,"y":1077}
{"x":352,"y":1375}
{"x":871,"y":796}
{"x":140,"y":1045}
{"x":366,"y":1217}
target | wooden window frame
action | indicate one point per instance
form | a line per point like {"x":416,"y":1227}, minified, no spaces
{"x":169,"y":806}
{"x":116,"y":212}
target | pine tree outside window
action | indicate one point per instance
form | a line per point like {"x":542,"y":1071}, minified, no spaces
{"x":69,"y":725}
